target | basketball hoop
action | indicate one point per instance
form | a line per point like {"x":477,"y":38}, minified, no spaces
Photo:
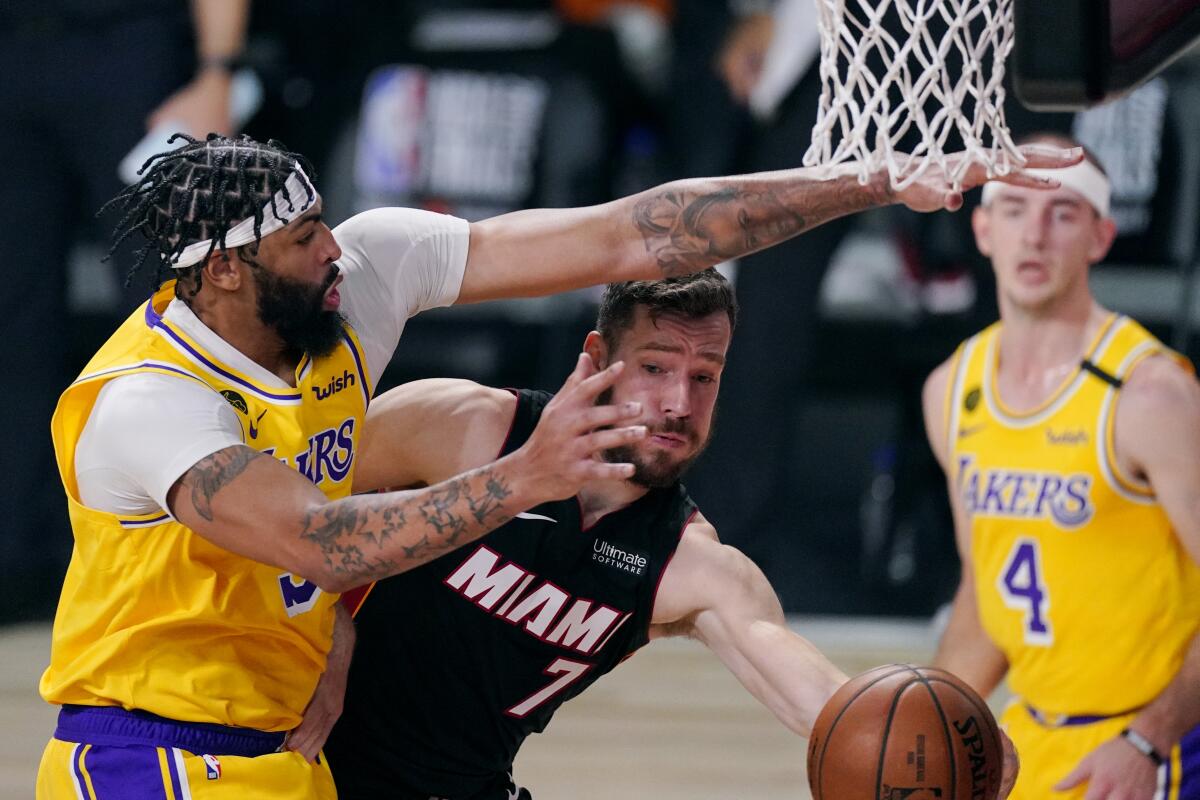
{"x":928,"y":70}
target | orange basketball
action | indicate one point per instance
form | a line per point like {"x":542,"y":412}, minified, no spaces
{"x":901,"y":732}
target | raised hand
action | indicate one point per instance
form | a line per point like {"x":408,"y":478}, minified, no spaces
{"x":933,"y":191}
{"x":563,"y":451}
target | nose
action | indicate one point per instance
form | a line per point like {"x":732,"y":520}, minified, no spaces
{"x":1033,"y":232}
{"x":332,"y":250}
{"x":677,"y":398}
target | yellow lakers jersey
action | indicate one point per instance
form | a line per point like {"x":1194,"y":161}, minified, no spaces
{"x":1079,"y":578}
{"x":154,"y":617}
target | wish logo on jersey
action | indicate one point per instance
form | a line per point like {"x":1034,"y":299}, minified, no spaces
{"x":1064,"y":499}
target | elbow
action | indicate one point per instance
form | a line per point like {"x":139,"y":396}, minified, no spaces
{"x":309,"y":554}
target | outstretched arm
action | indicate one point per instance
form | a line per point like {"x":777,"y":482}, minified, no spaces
{"x":255,"y":506}
{"x":688,"y":225}
{"x":717,"y":595}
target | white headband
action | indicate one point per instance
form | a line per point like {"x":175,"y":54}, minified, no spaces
{"x":1083,"y":178}
{"x":297,"y":187}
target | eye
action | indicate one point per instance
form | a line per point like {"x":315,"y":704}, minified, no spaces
{"x":306,"y":238}
{"x":653,"y":369}
{"x":705,"y":379}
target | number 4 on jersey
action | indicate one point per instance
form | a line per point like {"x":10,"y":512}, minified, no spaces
{"x":1023,"y":588}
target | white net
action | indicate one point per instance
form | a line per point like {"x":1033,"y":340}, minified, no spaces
{"x":903,"y":80}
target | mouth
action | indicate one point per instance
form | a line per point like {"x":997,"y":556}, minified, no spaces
{"x":332,"y":299}
{"x":668,"y":440}
{"x":1035,"y":271}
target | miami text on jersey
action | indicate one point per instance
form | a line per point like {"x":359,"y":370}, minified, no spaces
{"x":544,"y":611}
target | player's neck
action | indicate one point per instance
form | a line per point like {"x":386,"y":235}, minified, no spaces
{"x":1037,"y":351}
{"x":248,"y":335}
{"x":599,"y":498}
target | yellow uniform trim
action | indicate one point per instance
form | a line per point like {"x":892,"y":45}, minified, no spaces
{"x":83,"y":770}
{"x":165,"y":769}
{"x":1059,"y":397}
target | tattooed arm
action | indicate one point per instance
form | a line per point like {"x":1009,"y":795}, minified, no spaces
{"x":688,"y":225}
{"x":253,"y":505}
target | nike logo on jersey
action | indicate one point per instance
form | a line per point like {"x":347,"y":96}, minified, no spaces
{"x":970,"y":430}
{"x":514,"y":594}
{"x":254,"y":425}
{"x":531,"y":515}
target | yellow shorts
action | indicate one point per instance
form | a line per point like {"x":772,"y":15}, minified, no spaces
{"x":1049,"y":754}
{"x":73,"y":771}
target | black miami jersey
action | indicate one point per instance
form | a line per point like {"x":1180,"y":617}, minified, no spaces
{"x":460,"y":659}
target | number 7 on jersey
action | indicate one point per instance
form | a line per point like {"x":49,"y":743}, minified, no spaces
{"x":570,"y":671}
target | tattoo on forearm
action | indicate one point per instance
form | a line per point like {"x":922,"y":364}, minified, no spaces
{"x":373,"y":536}
{"x":215,"y":472}
{"x":691,"y":225}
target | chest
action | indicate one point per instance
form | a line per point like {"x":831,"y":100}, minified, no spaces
{"x":544,"y":577}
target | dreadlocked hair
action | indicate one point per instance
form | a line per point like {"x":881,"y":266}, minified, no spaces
{"x":198,"y":191}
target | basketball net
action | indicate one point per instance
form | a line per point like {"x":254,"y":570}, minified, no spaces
{"x":909,"y":90}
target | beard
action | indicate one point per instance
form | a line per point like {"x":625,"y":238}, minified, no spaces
{"x":294,"y":310}
{"x":658,"y":471}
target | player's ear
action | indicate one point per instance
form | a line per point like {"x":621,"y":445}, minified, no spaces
{"x":1106,"y":232}
{"x":223,"y":269}
{"x":981,"y":225}
{"x":595,"y":346}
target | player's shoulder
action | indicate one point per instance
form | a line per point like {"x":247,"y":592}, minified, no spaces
{"x":448,"y":396}
{"x":937,"y":380}
{"x":1161,"y":384}
{"x":704,"y":552}
{"x":396,"y":223}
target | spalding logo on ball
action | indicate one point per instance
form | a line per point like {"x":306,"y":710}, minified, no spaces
{"x":901,"y":732}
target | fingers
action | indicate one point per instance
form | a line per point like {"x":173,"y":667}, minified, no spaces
{"x":606,"y":416}
{"x":1027,"y":180}
{"x":1044,"y":156}
{"x":303,"y":742}
{"x":1077,"y":776}
{"x":591,"y":387}
{"x":584,"y":368}
{"x":617,"y":437}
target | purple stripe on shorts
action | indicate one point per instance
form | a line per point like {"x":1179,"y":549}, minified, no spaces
{"x":173,"y":769}
{"x":125,"y":773}
{"x":1189,"y":759}
{"x":1068,"y":720}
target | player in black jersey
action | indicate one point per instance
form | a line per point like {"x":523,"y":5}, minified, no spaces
{"x":460,"y":659}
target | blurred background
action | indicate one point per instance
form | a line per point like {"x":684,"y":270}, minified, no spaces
{"x":819,"y":468}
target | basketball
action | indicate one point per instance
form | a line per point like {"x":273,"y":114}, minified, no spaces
{"x":900,"y":731}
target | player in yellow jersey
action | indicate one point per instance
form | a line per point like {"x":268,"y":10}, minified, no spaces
{"x":1070,"y":438}
{"x":207,"y":449}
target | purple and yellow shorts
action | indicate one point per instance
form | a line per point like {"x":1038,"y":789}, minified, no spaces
{"x":105,"y":753}
{"x":1051,"y":747}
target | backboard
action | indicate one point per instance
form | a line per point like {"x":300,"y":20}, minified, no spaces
{"x":1072,"y":54}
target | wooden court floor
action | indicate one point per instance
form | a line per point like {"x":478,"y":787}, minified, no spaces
{"x":669,"y":724}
